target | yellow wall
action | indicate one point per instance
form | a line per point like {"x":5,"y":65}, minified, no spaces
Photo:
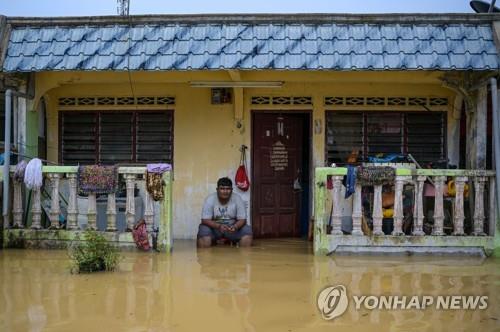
{"x":206,"y":139}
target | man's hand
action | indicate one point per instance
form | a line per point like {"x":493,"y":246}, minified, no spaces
{"x":224,"y":228}
{"x":227,"y":229}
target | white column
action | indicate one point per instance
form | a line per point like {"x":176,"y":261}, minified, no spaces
{"x":377,"y":214}
{"x":458,"y":222}
{"x":92,"y":212}
{"x":17,"y":208}
{"x":438,"y":206}
{"x":492,"y":207}
{"x":419,"y":215}
{"x":337,"y":211}
{"x":398,"y":207}
{"x":36,"y":209}
{"x":130,"y":208}
{"x":111,"y":213}
{"x":149,"y":211}
{"x":357,"y":212}
{"x":479,"y":206}
{"x":55,"y":209}
{"x":72,"y":203}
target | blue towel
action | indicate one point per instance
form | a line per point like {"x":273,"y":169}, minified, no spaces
{"x":350,"y":186}
{"x":389,"y":158}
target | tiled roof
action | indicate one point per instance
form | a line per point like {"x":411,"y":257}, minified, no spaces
{"x":380,"y":46}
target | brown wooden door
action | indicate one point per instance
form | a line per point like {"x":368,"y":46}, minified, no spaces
{"x":277,"y":156}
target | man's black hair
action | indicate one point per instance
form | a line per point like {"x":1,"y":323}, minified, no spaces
{"x":224,"y":182}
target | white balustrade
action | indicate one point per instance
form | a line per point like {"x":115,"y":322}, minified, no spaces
{"x":456,"y":210}
{"x":36,"y":209}
{"x":149,"y":211}
{"x":337,"y":207}
{"x":111,"y":213}
{"x":72,"y":219}
{"x":357,"y":212}
{"x":92,"y":212}
{"x":458,"y":221}
{"x":479,"y":206}
{"x":377,"y":210}
{"x":55,"y":209}
{"x":17,"y":208}
{"x":130,"y":205}
{"x":438,"y":206}
{"x":418,"y":218}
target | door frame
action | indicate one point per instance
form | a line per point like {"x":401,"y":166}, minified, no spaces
{"x":308,"y":114}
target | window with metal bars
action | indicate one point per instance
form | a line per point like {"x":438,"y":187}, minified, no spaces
{"x":422,"y":134}
{"x":111,"y":137}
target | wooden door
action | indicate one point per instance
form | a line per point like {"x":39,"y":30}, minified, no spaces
{"x":277,"y":157}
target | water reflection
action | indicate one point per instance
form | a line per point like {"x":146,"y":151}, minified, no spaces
{"x":272,"y":286}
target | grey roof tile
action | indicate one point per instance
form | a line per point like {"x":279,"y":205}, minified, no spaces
{"x":259,"y":46}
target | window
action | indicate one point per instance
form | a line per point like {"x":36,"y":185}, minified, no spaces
{"x":110,"y":137}
{"x":422,"y":134}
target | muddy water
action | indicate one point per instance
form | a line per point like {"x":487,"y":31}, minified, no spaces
{"x":270,"y":287}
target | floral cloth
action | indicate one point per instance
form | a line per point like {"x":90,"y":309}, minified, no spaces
{"x":154,"y":185}
{"x":374,"y":175}
{"x":96,"y":179}
{"x":140,"y":235}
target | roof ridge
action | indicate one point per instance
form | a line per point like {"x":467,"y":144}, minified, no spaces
{"x":299,"y":18}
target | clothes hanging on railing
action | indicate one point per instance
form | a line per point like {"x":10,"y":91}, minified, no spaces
{"x":350,"y":181}
{"x":375,"y":175}
{"x":154,"y":185}
{"x":33,"y":178}
{"x":158,"y":168}
{"x":140,"y":235}
{"x":96,"y":179}
{"x":154,"y":180}
{"x":19,"y":172}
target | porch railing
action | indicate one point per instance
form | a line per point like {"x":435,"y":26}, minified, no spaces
{"x":481,"y":202}
{"x":56,"y":175}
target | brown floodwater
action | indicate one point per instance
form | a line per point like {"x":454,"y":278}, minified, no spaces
{"x":272,"y":286}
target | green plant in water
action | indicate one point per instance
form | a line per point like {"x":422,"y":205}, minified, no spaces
{"x":93,"y":254}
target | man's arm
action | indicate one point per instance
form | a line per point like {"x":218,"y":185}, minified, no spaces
{"x":241,"y":214}
{"x":212,"y":224}
{"x":238,"y":224}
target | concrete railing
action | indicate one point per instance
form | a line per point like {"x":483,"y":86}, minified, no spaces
{"x":473,"y":187}
{"x":55,"y":176}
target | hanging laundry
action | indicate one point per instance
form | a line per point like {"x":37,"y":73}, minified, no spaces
{"x":158,"y":168}
{"x":140,"y":235}
{"x":96,"y":179}
{"x":19,"y":172}
{"x":33,"y":178}
{"x":154,"y":185}
{"x":350,"y":181}
{"x":374,"y":175}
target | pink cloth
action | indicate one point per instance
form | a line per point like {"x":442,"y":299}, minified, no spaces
{"x":140,"y":235}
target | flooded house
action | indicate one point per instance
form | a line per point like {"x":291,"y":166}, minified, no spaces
{"x":308,"y":94}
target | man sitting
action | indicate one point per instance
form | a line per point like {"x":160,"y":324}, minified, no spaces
{"x":224,"y":216}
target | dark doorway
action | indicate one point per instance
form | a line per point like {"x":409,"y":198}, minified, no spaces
{"x":280,"y":173}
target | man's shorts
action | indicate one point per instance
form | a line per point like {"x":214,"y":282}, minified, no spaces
{"x":204,"y":230}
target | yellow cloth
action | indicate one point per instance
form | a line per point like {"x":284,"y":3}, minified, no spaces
{"x":452,"y":190}
{"x":388,"y":213}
